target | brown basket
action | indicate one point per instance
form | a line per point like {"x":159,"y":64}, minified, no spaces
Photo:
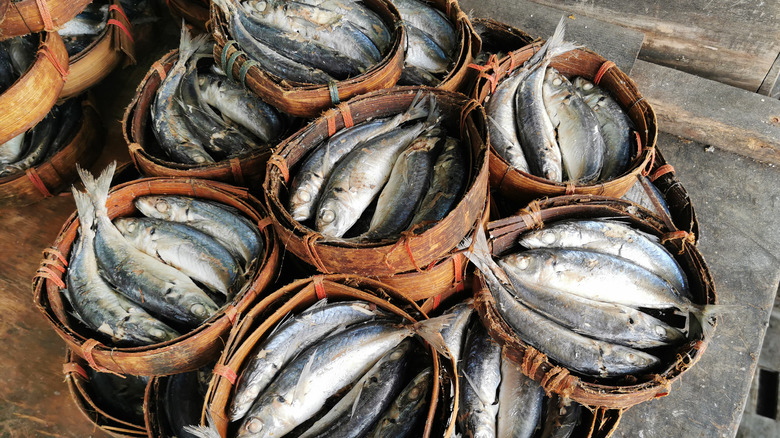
{"x":680,"y":206}
{"x":187,"y":352}
{"x":308,"y":100}
{"x":157,"y":423}
{"x":49,"y":178}
{"x":521,"y":186}
{"x":411,"y":252}
{"x":31,"y":97}
{"x":591,"y":391}
{"x":296,"y":297}
{"x":245,"y":171}
{"x":114,"y":45}
{"x":470,"y":44}
{"x":28,"y":16}
{"x":500,"y":37}
{"x":77,"y":380}
{"x":194,"y":12}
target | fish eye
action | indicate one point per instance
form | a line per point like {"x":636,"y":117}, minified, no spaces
{"x":161,"y":206}
{"x":523,"y":262}
{"x":549,"y":237}
{"x":587,"y":86}
{"x":200,"y":159}
{"x":254,"y":425}
{"x":557,"y":81}
{"x":631,"y":357}
{"x":660,"y":330}
{"x":198,"y":310}
{"x":396,"y":355}
{"x":328,"y":216}
{"x":304,"y":196}
{"x":414,"y":394}
{"x":156,"y":333}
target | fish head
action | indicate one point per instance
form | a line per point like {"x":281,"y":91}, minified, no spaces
{"x":130,"y":227}
{"x":270,"y":421}
{"x":638,"y":359}
{"x":149,"y":330}
{"x":170,"y":208}
{"x":333,"y":218}
{"x":546,"y":237}
{"x":303,"y":200}
{"x":197,"y":304}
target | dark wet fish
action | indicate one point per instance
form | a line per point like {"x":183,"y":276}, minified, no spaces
{"x":38,"y":141}
{"x":23,"y":51}
{"x":408,"y":410}
{"x":480,"y":377}
{"x":423,"y":52}
{"x":519,"y":402}
{"x":12,"y":150}
{"x":182,"y":399}
{"x":447,"y":183}
{"x":157,"y":287}
{"x":455,"y":333}
{"x":68,"y":121}
{"x":91,"y":21}
{"x":562,"y":418}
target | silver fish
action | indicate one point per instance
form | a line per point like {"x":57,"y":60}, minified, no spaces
{"x":576,"y":128}
{"x":562,"y":418}
{"x":455,"y":334}
{"x":359,"y":177}
{"x":609,"y":322}
{"x":193,"y":252}
{"x":424,"y":16}
{"x":404,"y":189}
{"x":479,"y":381}
{"x":236,"y":233}
{"x":302,"y":387}
{"x":447,"y":183}
{"x":355,"y":414}
{"x":423,"y":52}
{"x":519,"y":402}
{"x":11,"y":151}
{"x":157,"y":287}
{"x":286,"y":341}
{"x":97,"y":304}
{"x":407,"y":410}
{"x":598,"y":276}
{"x":609,"y":237}
{"x":615,"y":127}
{"x":38,"y":143}
{"x":309,"y":181}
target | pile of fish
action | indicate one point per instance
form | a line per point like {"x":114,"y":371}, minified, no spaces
{"x":406,"y":162}
{"x":310,"y":41}
{"x":341,"y":369}
{"x":432,"y":43}
{"x":543,"y":124}
{"x":496,"y":399}
{"x":83,"y":29}
{"x":139,"y":281}
{"x":42,"y":141}
{"x":16,"y":56}
{"x":200,"y":117}
{"x":597,"y":296}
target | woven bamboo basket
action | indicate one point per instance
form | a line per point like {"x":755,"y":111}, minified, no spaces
{"x":308,"y":100}
{"x":189,"y":351}
{"x":619,"y":393}
{"x":31,"y":97}
{"x":55,"y":175}
{"x":297,"y":296}
{"x":78,"y":381}
{"x":521,"y":186}
{"x":114,"y":46}
{"x":680,"y":205}
{"x":413,"y":251}
{"x":147,"y":155}
{"x":469,"y":45}
{"x":194,"y":12}
{"x":28,"y":16}
{"x":156,"y":418}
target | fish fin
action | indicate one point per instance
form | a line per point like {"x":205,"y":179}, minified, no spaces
{"x":430,"y":330}
{"x":357,"y":399}
{"x":189,"y":45}
{"x":475,"y":388}
{"x":702,"y":318}
{"x":417,"y":109}
{"x":98,"y":188}
{"x":554,"y":46}
{"x":304,"y":377}
{"x":86,"y":210}
{"x":207,"y":431}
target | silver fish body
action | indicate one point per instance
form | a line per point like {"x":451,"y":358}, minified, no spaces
{"x":500,"y":109}
{"x":193,"y":252}
{"x":356,"y":413}
{"x":423,"y":52}
{"x":236,"y":233}
{"x":576,"y":127}
{"x":599,"y":277}
{"x":519,"y":402}
{"x":290,"y":338}
{"x":615,"y":127}
{"x":359,"y":178}
{"x":447,"y":183}
{"x":609,"y":322}
{"x":422,"y":15}
{"x":404,"y":189}
{"x":157,"y":287}
{"x":39,"y":139}
{"x":12,"y":150}
{"x":97,"y":304}
{"x":609,"y":237}
{"x":301,"y":389}
{"x":407,"y":410}
{"x":455,"y":334}
{"x":536,"y":129}
{"x":479,"y":382}
{"x":310,"y":180}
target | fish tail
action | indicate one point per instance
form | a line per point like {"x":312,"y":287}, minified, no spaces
{"x":207,"y":431}
{"x":98,"y":188}
{"x":554,"y":46}
{"x":702,"y":318}
{"x":430,"y":330}
{"x":85,"y":208}
{"x":189,"y":45}
{"x":417,"y":109}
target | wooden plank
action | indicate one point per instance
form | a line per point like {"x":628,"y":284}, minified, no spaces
{"x":711,"y":112}
{"x":771,"y":85}
{"x":731,"y":42}
{"x":616,"y":43}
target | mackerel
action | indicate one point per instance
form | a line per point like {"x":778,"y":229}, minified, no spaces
{"x":407,"y":410}
{"x":289,"y":339}
{"x":155,"y":286}
{"x":447,"y":183}
{"x":38,"y":143}
{"x":519,"y":402}
{"x":455,"y":334}
{"x":479,"y":381}
{"x":422,"y":15}
{"x":562,"y":418}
